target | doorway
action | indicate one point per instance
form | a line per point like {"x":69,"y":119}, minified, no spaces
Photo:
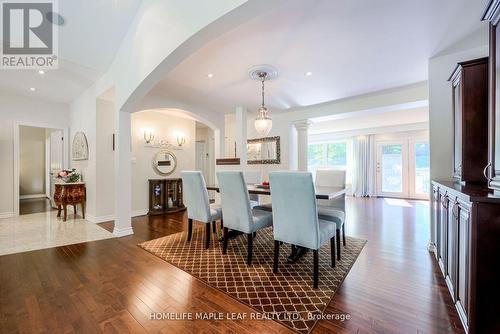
{"x":403,"y":168}
{"x":40,"y":153}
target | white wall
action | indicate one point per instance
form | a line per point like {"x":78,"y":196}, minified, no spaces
{"x":165,"y":127}
{"x":440,"y":100}
{"x":32,"y":172}
{"x":105,"y":160}
{"x":29,"y":111}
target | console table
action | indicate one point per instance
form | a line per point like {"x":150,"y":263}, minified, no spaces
{"x":69,"y":194}
{"x":165,"y":196}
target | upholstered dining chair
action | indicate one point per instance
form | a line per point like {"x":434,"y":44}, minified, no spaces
{"x":333,"y":210}
{"x":198,"y":205}
{"x":238,"y":214}
{"x":295,"y":217}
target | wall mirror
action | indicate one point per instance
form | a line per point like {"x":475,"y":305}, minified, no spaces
{"x":164,"y":163}
{"x":263,"y":151}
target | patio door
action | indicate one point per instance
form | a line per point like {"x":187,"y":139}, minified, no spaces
{"x":392,"y":166}
{"x":402,"y":169}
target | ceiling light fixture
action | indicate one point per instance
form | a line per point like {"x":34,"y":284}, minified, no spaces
{"x":263,"y":123}
{"x":32,"y":89}
{"x":308,"y":74}
{"x":210,"y":75}
{"x":41,"y":72}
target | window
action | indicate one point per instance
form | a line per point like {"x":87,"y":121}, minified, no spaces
{"x":330,"y":155}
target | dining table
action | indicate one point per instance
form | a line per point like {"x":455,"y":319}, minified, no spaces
{"x":322,"y":192}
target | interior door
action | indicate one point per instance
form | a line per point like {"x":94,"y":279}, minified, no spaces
{"x":201,"y":161}
{"x":56,"y":158}
{"x":392,"y":169}
{"x":419,"y":169}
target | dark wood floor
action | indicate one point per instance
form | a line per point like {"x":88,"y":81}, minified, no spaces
{"x":113,"y":285}
{"x":34,"y":205}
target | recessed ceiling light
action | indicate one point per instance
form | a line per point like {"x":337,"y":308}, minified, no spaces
{"x":210,"y":75}
{"x":308,"y":74}
{"x":41,"y":72}
{"x":32,"y":89}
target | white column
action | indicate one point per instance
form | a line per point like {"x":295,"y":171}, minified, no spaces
{"x":123,"y":175}
{"x":241,"y":134}
{"x":302,"y":128}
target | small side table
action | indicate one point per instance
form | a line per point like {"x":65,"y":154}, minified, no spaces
{"x":70,"y":194}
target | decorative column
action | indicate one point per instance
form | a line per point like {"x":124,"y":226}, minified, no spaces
{"x":123,"y":175}
{"x":302,"y":128}
{"x":241,"y":134}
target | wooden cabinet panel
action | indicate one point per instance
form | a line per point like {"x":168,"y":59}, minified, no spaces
{"x":443,"y":233}
{"x":436,"y":209}
{"x":463,"y":256}
{"x":451,"y":251}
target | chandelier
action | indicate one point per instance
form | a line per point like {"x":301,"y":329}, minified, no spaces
{"x":263,"y":123}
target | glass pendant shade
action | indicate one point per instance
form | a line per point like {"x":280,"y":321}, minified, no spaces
{"x":263,"y":123}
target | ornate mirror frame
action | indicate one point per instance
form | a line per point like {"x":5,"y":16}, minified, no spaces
{"x":276,"y":161}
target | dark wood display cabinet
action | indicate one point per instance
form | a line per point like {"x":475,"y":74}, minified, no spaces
{"x":467,"y":227}
{"x":470,"y":118}
{"x":165,"y":196}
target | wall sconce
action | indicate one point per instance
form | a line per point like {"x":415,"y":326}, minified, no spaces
{"x":149,"y":135}
{"x":181,"y":140}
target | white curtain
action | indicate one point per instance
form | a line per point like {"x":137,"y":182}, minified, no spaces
{"x":363,"y":181}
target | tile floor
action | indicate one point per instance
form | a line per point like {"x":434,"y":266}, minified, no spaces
{"x":44,"y":230}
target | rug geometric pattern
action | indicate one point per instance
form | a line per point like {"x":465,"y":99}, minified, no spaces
{"x":286,"y":297}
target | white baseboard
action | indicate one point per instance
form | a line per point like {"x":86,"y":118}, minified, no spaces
{"x":6,"y":214}
{"x":32,"y":196}
{"x":123,"y":232}
{"x":107,"y":218}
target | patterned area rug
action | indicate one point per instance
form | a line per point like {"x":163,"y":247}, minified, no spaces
{"x":287,"y":297}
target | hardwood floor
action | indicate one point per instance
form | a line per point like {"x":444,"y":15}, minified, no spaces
{"x":35,"y":205}
{"x":113,"y":285}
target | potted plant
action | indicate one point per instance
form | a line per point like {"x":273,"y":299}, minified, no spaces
{"x":69,"y":175}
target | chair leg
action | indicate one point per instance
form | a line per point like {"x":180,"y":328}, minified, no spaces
{"x":74,"y":209}
{"x":315,"y":269}
{"x":250,"y":248}
{"x":207,"y":235}
{"x":276,"y":255}
{"x":221,"y":224}
{"x":59,"y":208}
{"x":83,"y":209}
{"x":338,"y":244}
{"x":190,"y":229}
{"x":65,"y":209}
{"x":214,"y":226}
{"x":343,"y":234}
{"x":225,"y":233}
{"x":332,"y":249}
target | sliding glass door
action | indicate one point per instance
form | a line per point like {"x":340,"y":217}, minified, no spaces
{"x":402,"y":169}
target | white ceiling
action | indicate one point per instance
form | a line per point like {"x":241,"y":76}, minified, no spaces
{"x":88,"y":42}
{"x":351,"y":47}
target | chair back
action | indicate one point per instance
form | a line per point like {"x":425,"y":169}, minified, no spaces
{"x":330,"y":178}
{"x":195,"y":196}
{"x":295,"y":216}
{"x":253,"y":177}
{"x":235,"y":201}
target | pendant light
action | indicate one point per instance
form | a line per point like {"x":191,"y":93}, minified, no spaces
{"x":263,"y":123}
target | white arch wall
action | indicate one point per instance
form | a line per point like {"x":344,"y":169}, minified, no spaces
{"x":163,"y":33}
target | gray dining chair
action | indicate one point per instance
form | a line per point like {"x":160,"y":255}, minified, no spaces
{"x":198,"y":206}
{"x":295,"y":217}
{"x":238,"y":214}
{"x":255,"y":177}
{"x":333,"y":210}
